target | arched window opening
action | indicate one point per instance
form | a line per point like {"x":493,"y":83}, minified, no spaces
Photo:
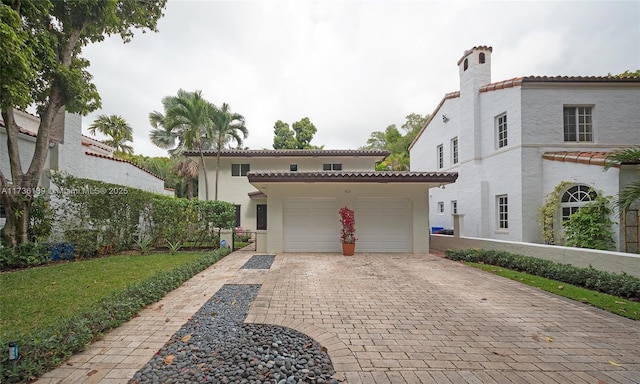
{"x":575,"y":198}
{"x":481,"y":58}
{"x":466,"y":64}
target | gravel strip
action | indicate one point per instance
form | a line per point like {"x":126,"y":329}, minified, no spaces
{"x":214,"y":346}
{"x":259,"y":262}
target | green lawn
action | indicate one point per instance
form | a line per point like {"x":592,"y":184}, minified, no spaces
{"x":614,"y":304}
{"x":36,"y":297}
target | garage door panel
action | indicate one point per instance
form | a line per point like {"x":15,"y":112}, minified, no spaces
{"x":311,"y":225}
{"x":383,"y":225}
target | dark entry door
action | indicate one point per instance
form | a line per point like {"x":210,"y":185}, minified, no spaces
{"x":261,"y":213}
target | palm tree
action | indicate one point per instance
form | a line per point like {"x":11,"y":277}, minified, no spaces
{"x":188,"y":169}
{"x":631,"y":191}
{"x":188,"y":120}
{"x":117,"y":128}
{"x":227,"y":126}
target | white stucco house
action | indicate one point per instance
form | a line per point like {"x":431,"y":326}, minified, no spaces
{"x":292,"y":197}
{"x":72,"y":152}
{"x":513,"y":141}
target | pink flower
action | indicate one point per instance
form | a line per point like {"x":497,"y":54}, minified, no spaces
{"x":348,"y":221}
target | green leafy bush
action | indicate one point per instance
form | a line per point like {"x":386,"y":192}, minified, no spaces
{"x":44,"y":349}
{"x":617,"y":284}
{"x":84,"y":240}
{"x":591,"y":227}
{"x":25,"y":255}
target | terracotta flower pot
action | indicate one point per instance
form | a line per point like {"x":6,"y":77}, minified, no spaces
{"x":348,"y":249}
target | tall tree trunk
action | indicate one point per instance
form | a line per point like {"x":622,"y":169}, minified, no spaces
{"x":219,"y":144}
{"x":189,"y":188}
{"x":217,"y":173}
{"x":23,"y":185}
{"x":204,"y":170}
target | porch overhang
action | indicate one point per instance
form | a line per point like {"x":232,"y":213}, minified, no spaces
{"x":436,"y":178}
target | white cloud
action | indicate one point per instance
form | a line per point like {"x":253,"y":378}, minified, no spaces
{"x":351,"y":67}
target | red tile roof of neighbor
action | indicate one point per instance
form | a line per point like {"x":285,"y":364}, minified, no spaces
{"x":291,"y":153}
{"x":592,"y":158}
{"x":518,"y":81}
{"x":123,"y":161}
{"x":20,"y":129}
{"x":354,"y":177}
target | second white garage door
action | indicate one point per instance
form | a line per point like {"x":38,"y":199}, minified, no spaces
{"x":383,"y":225}
{"x":311,"y":225}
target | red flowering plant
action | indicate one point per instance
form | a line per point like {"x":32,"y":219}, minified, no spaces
{"x":348,"y":221}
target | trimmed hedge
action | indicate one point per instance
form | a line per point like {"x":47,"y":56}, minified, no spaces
{"x":617,"y":284}
{"x":44,"y":349}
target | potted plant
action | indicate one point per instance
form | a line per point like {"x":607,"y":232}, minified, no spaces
{"x":348,"y":233}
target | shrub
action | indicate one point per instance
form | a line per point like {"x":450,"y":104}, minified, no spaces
{"x":590,"y":227}
{"x":43,"y":349}
{"x":617,"y":284}
{"x":84,"y":240}
{"x":24,"y":255}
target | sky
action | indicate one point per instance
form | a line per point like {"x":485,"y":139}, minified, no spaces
{"x":351,"y":67}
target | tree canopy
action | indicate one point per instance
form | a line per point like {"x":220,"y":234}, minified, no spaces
{"x":297,"y":138}
{"x":119,"y":131}
{"x":394,"y":141}
{"x":41,"y":42}
{"x":192,"y":123}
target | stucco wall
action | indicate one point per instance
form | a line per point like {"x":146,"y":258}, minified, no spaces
{"x":346,"y":195}
{"x":235,"y":189}
{"x":71,"y":157}
{"x":602,"y":260}
{"x":535,"y":125}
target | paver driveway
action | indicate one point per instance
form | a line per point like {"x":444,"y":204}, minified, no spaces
{"x":391,"y":318}
{"x":423,"y":319}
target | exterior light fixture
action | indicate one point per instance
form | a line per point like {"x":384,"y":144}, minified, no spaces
{"x":445,"y":118}
{"x":13,"y":351}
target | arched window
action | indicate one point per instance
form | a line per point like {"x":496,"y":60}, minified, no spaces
{"x":574,"y":198}
{"x":466,"y":64}
{"x":481,"y":58}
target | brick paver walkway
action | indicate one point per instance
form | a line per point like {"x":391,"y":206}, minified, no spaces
{"x":394,"y":318}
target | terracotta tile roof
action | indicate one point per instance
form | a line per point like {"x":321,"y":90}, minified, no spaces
{"x":580,"y":79}
{"x":95,"y":142}
{"x":354,"y":177}
{"x":291,"y":153}
{"x":20,"y":129}
{"x":518,"y":81}
{"x":592,"y":158}
{"x":515,"y":82}
{"x":468,"y":52}
{"x":123,"y":161}
{"x":257,"y":195}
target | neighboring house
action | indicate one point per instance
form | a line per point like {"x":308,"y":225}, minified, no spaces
{"x":76,"y":154}
{"x":293,"y":196}
{"x":512,"y":142}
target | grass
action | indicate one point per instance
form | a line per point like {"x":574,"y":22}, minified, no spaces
{"x":36,"y":297}
{"x":613,"y":304}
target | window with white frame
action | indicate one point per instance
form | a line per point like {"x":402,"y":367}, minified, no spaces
{"x":454,"y":150}
{"x":440,"y":156}
{"x":502,"y":203}
{"x":239,"y":169}
{"x":440,"y":207}
{"x":574,"y":198}
{"x":454,"y":206}
{"x":501,"y":130}
{"x":578,"y":126}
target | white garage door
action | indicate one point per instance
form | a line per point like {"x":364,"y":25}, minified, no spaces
{"x":311,"y":225}
{"x":383,"y":225}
